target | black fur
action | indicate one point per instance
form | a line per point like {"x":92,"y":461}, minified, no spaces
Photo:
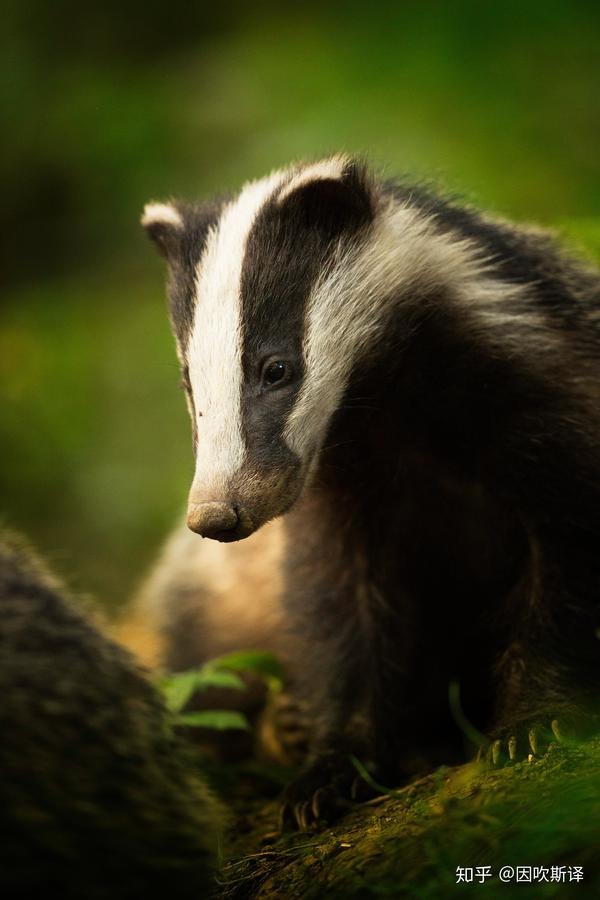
{"x":289,"y":245}
{"x":453,"y":533}
{"x":452,"y":530}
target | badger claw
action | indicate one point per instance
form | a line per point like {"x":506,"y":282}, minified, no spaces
{"x":302,"y":813}
{"x":497,"y":754}
{"x":319,"y":794}
{"x":520,"y":743}
{"x":322,"y":793}
{"x":534,"y":741}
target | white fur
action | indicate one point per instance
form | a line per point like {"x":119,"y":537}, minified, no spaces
{"x":226,"y":576}
{"x":403,"y":259}
{"x":161,"y":213}
{"x":324,"y":170}
{"x":227,"y":595}
{"x":397,"y":263}
{"x":214,"y":351}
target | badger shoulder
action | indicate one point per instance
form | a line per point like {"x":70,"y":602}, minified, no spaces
{"x":557,"y":273}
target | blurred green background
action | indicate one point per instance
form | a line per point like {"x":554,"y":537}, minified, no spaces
{"x":105,"y":106}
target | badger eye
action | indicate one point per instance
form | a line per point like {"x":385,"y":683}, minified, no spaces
{"x":274,"y":372}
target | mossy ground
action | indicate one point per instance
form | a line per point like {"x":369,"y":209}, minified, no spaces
{"x":541,"y":813}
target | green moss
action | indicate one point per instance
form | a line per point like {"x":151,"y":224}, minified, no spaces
{"x":542,"y":813}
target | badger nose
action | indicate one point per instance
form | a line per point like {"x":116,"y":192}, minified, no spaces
{"x":212,"y":520}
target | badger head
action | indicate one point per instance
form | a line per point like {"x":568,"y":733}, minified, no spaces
{"x":263,"y":348}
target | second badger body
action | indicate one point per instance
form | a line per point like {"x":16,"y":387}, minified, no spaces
{"x":414,"y":387}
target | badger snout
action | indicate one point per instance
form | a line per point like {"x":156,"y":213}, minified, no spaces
{"x":220,"y":521}
{"x":234,"y":507}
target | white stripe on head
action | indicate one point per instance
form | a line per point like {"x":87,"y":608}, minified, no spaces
{"x":403,"y":257}
{"x":161,"y":214}
{"x":214,"y":351}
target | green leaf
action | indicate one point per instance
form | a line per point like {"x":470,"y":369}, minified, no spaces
{"x":468,"y":729}
{"x":218,"y":719}
{"x":366,"y":776}
{"x":179,"y":689}
{"x":209,"y":677}
{"x":258,"y":661}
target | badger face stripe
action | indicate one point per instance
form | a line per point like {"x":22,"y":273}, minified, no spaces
{"x":402,"y":257}
{"x":214,"y":350}
{"x":317,"y":267}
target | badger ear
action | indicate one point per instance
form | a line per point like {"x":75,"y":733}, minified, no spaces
{"x":333,"y":197}
{"x":164,"y":223}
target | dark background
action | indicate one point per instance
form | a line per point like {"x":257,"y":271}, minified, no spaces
{"x":107,"y":106}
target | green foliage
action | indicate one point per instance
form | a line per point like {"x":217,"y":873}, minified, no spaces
{"x":216,"y":719}
{"x":542,"y":813}
{"x":178,"y":689}
{"x":476,"y":738}
{"x":368,"y":778}
{"x":258,"y":661}
{"x":106,"y":106}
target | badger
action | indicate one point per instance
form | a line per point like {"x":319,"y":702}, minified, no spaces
{"x":412,"y":388}
{"x":194,"y":605}
{"x":97,"y":797}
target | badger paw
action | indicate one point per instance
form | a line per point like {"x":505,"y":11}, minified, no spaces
{"x":322,"y":793}
{"x":528,"y":741}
